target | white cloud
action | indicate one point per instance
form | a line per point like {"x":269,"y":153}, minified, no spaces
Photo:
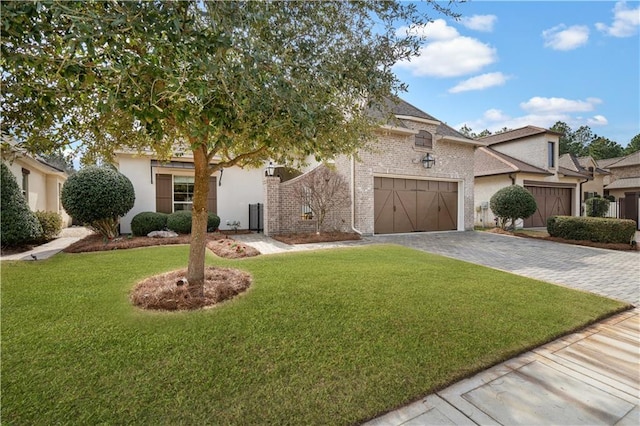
{"x":482,"y":23}
{"x":451,"y":58}
{"x":435,"y":30}
{"x":480,"y":82}
{"x":562,"y":38}
{"x":597,"y":120}
{"x":495,"y":115}
{"x":447,"y":53}
{"x":625,"y":21}
{"x":541,"y":112}
{"x":539,"y":104}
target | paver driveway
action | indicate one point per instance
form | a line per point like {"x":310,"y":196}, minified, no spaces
{"x":609,"y":273}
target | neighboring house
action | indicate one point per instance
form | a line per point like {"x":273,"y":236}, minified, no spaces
{"x":624,"y":175}
{"x":40,"y":182}
{"x":527,"y":156}
{"x":624,"y":184}
{"x":393,"y":187}
{"x":588,"y":167}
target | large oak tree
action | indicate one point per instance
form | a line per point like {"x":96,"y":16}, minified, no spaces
{"x":234,"y":83}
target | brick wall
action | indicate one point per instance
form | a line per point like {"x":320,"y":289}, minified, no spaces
{"x":284,"y":214}
{"x":392,"y":155}
{"x":395,"y":155}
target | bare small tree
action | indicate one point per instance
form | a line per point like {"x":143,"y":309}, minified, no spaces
{"x":322,"y":191}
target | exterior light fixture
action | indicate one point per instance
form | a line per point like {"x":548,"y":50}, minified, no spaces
{"x":428,"y":161}
{"x":270,"y":168}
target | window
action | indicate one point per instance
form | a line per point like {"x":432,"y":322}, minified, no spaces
{"x":25,"y":183}
{"x":424,"y":139}
{"x":305,"y":208}
{"x":183,"y":192}
{"x":551,"y":152}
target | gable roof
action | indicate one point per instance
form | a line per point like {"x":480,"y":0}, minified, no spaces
{"x":489,"y":162}
{"x":516,"y":134}
{"x":402,"y":109}
{"x":14,"y":151}
{"x":569,"y":164}
{"x":632,"y":159}
{"x":624,"y":183}
{"x":606,"y":162}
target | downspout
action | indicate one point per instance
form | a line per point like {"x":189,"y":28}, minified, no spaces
{"x":513,"y":178}
{"x":580,"y":193}
{"x":353,"y":195}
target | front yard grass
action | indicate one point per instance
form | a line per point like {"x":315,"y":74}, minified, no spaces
{"x":326,"y":337}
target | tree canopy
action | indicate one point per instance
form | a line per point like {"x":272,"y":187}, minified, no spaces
{"x":234,"y":83}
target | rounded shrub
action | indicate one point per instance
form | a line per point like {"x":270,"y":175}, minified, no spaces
{"x":18,"y":224}
{"x":98,"y":197}
{"x":146,"y":222}
{"x":213,"y":221}
{"x":51,"y":223}
{"x":179,"y":222}
{"x":597,"y":207}
{"x":512,"y":203}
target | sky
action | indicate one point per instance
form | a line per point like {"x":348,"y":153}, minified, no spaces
{"x":517,"y":63}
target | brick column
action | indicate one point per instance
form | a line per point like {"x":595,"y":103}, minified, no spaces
{"x":271,"y":185}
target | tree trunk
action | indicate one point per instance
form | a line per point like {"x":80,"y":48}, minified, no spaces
{"x":197,"y":247}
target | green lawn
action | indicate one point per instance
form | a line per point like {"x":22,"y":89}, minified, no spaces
{"x":327,"y":337}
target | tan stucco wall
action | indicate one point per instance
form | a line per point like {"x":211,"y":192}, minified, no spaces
{"x":484,"y":188}
{"x":532,"y":150}
{"x":44,"y":188}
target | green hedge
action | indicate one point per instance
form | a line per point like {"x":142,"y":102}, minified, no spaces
{"x":18,"y":224}
{"x":213,"y":221}
{"x":179,"y":222}
{"x":51,"y":223}
{"x":146,"y":222}
{"x":597,"y":229}
{"x":597,"y":207}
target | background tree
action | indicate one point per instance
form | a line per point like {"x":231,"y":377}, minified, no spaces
{"x":234,"y":83}
{"x":512,"y":203}
{"x":601,"y":148}
{"x":323,"y":191}
{"x":98,"y":197}
{"x":59,"y":160}
{"x":633,"y":146}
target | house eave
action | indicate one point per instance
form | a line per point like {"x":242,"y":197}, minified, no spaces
{"x":397,"y":130}
{"x":460,"y":140}
{"x":418,"y":119}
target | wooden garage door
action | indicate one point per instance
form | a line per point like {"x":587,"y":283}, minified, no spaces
{"x":410,"y":205}
{"x":551,"y":201}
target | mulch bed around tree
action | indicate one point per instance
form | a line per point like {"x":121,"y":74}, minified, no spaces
{"x":168,"y":292}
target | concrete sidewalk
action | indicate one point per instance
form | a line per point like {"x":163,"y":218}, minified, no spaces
{"x":67,"y":237}
{"x":587,"y":378}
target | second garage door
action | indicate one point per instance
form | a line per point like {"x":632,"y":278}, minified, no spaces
{"x":552,"y":201}
{"x":410,"y":205}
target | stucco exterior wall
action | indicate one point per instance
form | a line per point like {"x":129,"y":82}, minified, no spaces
{"x":484,"y":188}
{"x":44,"y":188}
{"x":235,"y":191}
{"x":532,"y":150}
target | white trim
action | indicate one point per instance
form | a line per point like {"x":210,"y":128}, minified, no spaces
{"x":461,"y":140}
{"x":418,"y":119}
{"x":400,"y":130}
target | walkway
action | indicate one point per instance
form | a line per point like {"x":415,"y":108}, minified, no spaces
{"x":67,"y":237}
